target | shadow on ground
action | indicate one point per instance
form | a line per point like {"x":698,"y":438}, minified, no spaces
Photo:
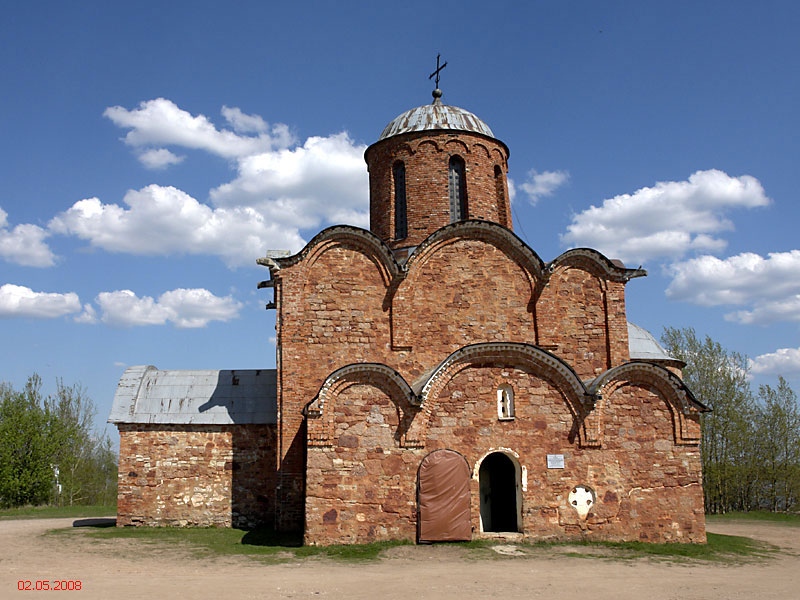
{"x":269,"y":537}
{"x":97,"y":522}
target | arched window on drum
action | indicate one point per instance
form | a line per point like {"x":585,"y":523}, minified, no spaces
{"x":400,"y":212}
{"x":458,"y":189}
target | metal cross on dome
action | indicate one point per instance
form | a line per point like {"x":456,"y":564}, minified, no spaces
{"x":438,"y":69}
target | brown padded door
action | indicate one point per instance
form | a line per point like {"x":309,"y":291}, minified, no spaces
{"x":443,"y":495}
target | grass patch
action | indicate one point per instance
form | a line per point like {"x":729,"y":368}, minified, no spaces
{"x":271,"y":547}
{"x":756,"y":515}
{"x":54,"y":512}
{"x":263,"y":544}
{"x":719,"y":548}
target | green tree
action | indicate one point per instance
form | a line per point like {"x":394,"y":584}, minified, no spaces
{"x":26,"y":449}
{"x":718,"y":378}
{"x":779,"y":432}
{"x":41,"y":434}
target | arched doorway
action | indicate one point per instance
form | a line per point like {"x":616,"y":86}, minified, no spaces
{"x":498,"y":488}
{"x":443,"y":498}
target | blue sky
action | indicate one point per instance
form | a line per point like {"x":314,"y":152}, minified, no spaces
{"x":152,"y":151}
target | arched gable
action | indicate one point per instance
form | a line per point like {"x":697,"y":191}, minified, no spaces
{"x":581,"y":310}
{"x":597,"y":263}
{"x":685,"y":409}
{"x":476,"y":265}
{"x":322,"y":409}
{"x":345,"y":235}
{"x":492,"y":233}
{"x":545,"y":364}
{"x":572,"y":317}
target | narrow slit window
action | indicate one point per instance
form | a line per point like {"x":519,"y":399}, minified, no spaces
{"x":500,"y":192}
{"x":458,"y":189}
{"x":505,"y":403}
{"x":400,"y":214}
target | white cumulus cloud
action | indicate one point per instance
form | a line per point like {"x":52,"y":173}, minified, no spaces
{"x":163,"y":220}
{"x":244,"y":123}
{"x":160,"y":122}
{"x":539,"y":185}
{"x":20,"y":301}
{"x":768,"y":287}
{"x":784,"y":361}
{"x":185,"y":308}
{"x":668,"y":219}
{"x":159,"y":158}
{"x":24,"y":244}
{"x":88,"y":316}
{"x":323,"y":181}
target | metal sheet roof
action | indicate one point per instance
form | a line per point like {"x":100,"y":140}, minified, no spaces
{"x":643,"y":346}
{"x":149,"y":395}
{"x":435,"y":116}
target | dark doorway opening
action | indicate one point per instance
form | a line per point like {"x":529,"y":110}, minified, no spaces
{"x":498,"y":485}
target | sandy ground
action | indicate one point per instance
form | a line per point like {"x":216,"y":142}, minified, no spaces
{"x":131,"y":569}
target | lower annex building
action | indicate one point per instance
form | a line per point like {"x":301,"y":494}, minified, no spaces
{"x":436,"y":380}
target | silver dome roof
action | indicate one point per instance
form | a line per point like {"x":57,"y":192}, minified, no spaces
{"x":435,"y":116}
{"x":643,"y":346}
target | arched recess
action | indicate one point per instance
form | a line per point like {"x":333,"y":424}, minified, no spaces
{"x":321,"y":410}
{"x":443,"y":498}
{"x":546,"y":365}
{"x":356,"y":239}
{"x":573,"y":317}
{"x":496,"y":489}
{"x":498,"y":238}
{"x":684,"y":407}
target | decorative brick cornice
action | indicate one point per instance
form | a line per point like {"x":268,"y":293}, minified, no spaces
{"x":495,"y":233}
{"x":559,"y":373}
{"x":685,"y":407}
{"x":603,"y":263}
{"x":364,"y":237}
{"x":320,"y":410}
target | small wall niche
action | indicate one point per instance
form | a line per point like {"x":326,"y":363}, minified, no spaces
{"x":505,"y":403}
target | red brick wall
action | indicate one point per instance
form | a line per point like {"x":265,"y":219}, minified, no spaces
{"x":647,"y":486}
{"x":581,"y":317}
{"x":465,"y":291}
{"x":426,"y":155}
{"x":361,"y":486}
{"x":331,"y":314}
{"x":340,"y":304}
{"x":200,"y":475}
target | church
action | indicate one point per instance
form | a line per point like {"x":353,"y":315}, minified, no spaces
{"x":436,"y":380}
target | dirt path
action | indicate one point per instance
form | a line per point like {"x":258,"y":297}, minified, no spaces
{"x":130,"y":569}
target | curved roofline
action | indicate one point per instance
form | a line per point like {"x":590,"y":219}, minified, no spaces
{"x":316,"y":405}
{"x":639,"y":339}
{"x":429,"y":116}
{"x":423,"y":132}
{"x":671,"y":378}
{"x":422,"y":386}
{"x":609,"y":266}
{"x":473,"y":225}
{"x":347,"y":231}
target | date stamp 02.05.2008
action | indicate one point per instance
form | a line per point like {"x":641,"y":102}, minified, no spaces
{"x":62,"y":585}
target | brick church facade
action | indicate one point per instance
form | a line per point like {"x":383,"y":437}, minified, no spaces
{"x":436,"y":380}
